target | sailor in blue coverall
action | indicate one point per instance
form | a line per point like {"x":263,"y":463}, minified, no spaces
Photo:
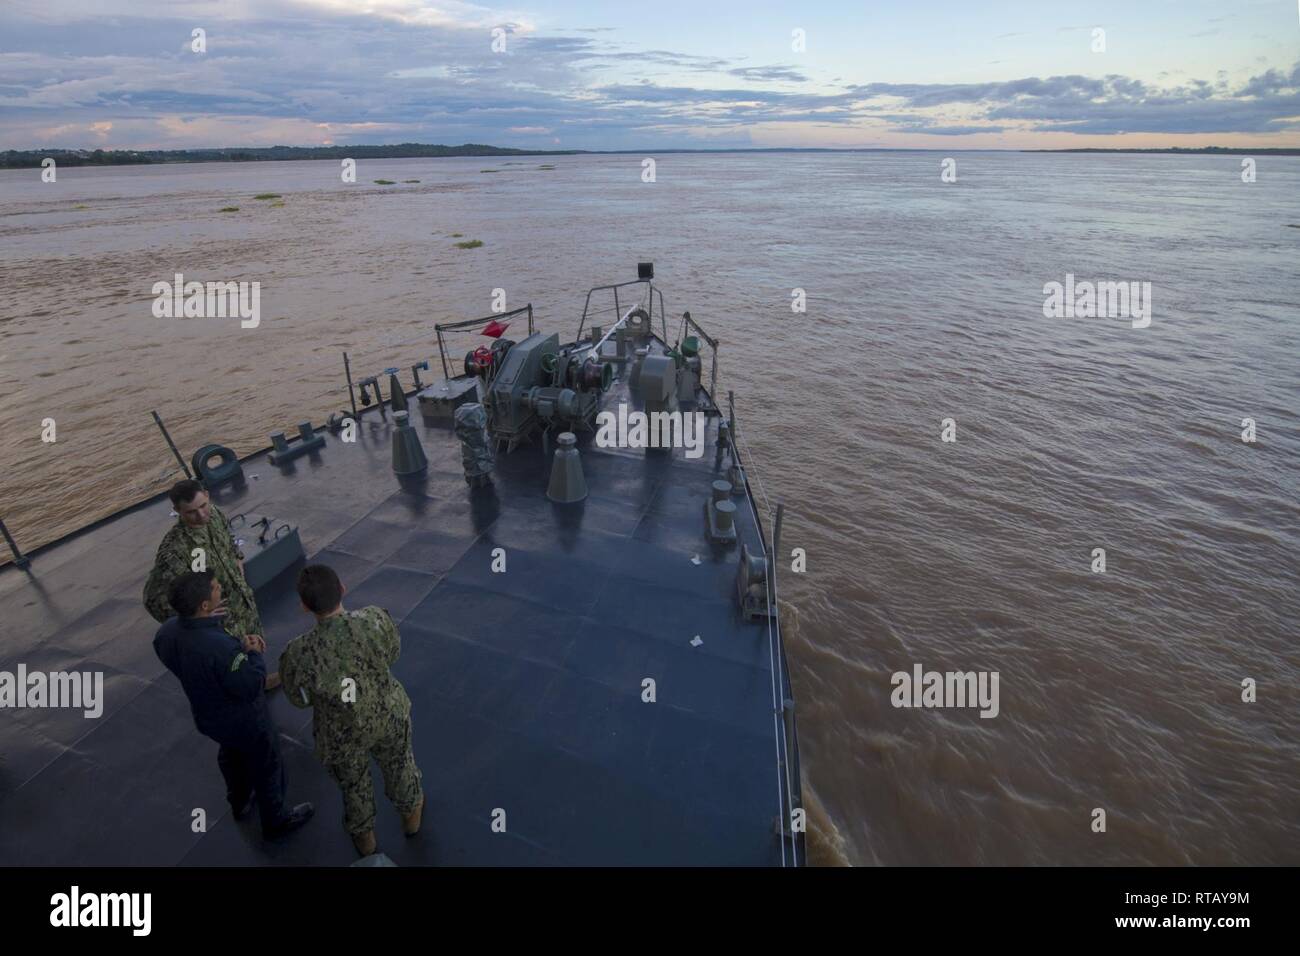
{"x":224,"y":679}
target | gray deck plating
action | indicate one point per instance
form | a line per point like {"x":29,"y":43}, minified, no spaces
{"x":526,"y":686}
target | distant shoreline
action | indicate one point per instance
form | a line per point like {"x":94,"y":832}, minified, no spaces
{"x":27,"y":158}
{"x":1197,"y":150}
{"x":30,"y":158}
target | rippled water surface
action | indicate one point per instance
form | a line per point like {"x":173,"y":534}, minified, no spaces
{"x":1119,"y":691}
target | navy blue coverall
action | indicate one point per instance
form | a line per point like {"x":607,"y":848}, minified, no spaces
{"x":225,"y":687}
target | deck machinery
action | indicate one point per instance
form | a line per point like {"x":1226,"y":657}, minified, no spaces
{"x":539,"y":385}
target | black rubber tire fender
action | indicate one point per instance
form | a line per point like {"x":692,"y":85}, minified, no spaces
{"x":210,"y":476}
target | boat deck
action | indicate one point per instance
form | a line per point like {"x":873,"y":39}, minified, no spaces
{"x":526,"y":686}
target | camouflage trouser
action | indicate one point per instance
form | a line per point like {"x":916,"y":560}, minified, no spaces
{"x":351,"y":770}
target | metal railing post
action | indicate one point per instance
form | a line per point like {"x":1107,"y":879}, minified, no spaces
{"x":171,"y":444}
{"x":20,"y":560}
{"x":352,"y":395}
{"x":776,"y":541}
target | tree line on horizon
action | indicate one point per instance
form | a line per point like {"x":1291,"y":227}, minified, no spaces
{"x":23,"y":158}
{"x":28,"y":158}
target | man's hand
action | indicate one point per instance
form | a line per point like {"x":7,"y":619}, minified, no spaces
{"x":254,"y":644}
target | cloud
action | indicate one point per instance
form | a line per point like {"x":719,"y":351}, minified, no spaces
{"x":451,"y":14}
{"x":908,"y":123}
{"x":786,"y":73}
{"x":1114,"y":104}
{"x":687,"y":61}
{"x":446,"y":14}
{"x":410,"y":70}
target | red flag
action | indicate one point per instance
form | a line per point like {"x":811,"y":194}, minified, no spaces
{"x":495,"y":329}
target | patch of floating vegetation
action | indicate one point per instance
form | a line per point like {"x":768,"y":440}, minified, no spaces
{"x":267,"y":196}
{"x":546,"y":167}
{"x":81,"y":205}
{"x":410,"y":180}
{"x":276,"y":204}
{"x":384,"y":182}
{"x":229,"y":209}
{"x":489,"y":170}
{"x":457,"y":235}
{"x":469,"y":244}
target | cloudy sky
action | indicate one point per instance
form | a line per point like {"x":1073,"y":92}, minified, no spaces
{"x":944,"y":74}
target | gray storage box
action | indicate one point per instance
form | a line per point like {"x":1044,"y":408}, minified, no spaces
{"x":263,"y":562}
{"x":438,"y":403}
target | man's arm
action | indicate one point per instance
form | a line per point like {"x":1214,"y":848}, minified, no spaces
{"x":222,"y":536}
{"x":166,"y":651}
{"x":392,"y":640}
{"x":290,"y":677}
{"x":169,"y":563}
{"x":243,"y":674}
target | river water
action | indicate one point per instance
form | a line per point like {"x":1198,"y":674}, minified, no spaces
{"x":1119,"y":691}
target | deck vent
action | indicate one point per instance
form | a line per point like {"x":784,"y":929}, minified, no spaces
{"x":568,"y":484}
{"x":408,"y":453}
{"x":396,"y":397}
{"x":372,"y":381}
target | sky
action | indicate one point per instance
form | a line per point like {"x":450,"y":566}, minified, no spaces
{"x":934,"y":74}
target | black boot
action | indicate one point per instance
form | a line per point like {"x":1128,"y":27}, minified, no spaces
{"x":243,"y":810}
{"x":292,"y":821}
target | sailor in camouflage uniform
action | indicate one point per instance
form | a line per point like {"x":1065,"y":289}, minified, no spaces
{"x":200,"y":524}
{"x":340,"y":669}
